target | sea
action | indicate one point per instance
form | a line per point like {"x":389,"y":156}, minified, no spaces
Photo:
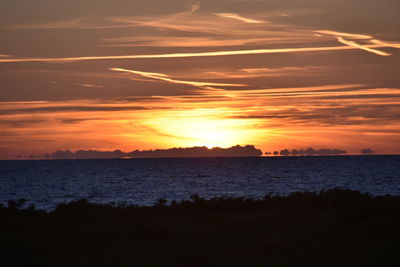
{"x":142,"y":182}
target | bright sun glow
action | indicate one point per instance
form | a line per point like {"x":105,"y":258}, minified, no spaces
{"x":203,"y":128}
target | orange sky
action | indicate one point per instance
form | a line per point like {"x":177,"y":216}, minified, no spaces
{"x":147,"y":75}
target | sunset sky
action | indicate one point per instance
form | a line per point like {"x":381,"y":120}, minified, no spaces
{"x":133,"y":74}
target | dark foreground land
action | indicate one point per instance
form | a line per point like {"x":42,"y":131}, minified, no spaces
{"x":334,"y":228}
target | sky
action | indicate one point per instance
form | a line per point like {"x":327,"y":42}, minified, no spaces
{"x":123,"y":74}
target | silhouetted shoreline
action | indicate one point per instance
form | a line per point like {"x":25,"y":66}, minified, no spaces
{"x":187,"y":152}
{"x":191,"y":152}
{"x":333,"y":228}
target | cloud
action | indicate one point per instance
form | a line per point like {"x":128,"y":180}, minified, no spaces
{"x":73,"y":121}
{"x":339,"y":36}
{"x":359,"y":96}
{"x":157,"y":132}
{"x":193,"y":9}
{"x":278,"y":117}
{"x":82,"y":23}
{"x":159,"y":41}
{"x":89,"y":85}
{"x":172,"y":21}
{"x":387,"y":44}
{"x":188,"y":55}
{"x":21,"y":123}
{"x":67,"y":109}
{"x":203,"y":28}
{"x":95,"y":22}
{"x":287,"y":91}
{"x":345,"y":34}
{"x":166,"y":78}
{"x":362,"y":47}
{"x":238,"y":17}
{"x":70,"y":24}
{"x":266,"y":72}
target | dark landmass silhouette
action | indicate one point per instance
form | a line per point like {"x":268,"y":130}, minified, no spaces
{"x":308,"y":152}
{"x":235,"y":151}
{"x":333,"y":228}
{"x":367,"y":151}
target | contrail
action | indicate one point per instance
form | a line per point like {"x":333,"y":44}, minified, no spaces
{"x":188,"y":55}
{"x":166,"y":78}
{"x":345,"y":34}
{"x":388,"y":44}
{"x":340,"y":37}
{"x":363,"y":47}
{"x":237,"y":17}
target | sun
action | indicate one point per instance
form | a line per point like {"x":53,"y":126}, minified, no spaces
{"x":202,"y":128}
{"x":212,"y":133}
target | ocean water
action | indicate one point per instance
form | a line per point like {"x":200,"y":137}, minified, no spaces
{"x":144,"y":181}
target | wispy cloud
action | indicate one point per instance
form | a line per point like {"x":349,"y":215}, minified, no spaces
{"x":196,"y":54}
{"x":238,"y":17}
{"x":292,"y":91}
{"x":265,"y":72}
{"x":387,"y":44}
{"x":283,"y":70}
{"x":89,"y":85}
{"x":74,"y":23}
{"x":85,"y":23}
{"x":279,"y":113}
{"x":230,"y":25}
{"x":362,"y":47}
{"x":173,"y":21}
{"x":340,"y":37}
{"x":166,"y":78}
{"x":344,"y":34}
{"x":157,"y":132}
{"x":62,"y":109}
{"x":92,"y":22}
{"x":171,"y":41}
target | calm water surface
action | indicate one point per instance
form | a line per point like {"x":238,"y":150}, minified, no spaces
{"x":144,"y":181}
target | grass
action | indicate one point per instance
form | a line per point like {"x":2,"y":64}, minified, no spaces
{"x":332,"y":228}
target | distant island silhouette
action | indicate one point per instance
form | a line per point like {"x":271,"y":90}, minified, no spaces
{"x":308,"y":152}
{"x":234,"y":151}
{"x":193,"y":152}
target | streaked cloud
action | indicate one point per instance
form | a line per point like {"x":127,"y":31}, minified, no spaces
{"x":340,"y":37}
{"x":70,"y":24}
{"x":67,"y":109}
{"x":90,"y":85}
{"x":138,"y":41}
{"x":317,"y":112}
{"x":198,"y":54}
{"x":97,"y":22}
{"x":266,"y":72}
{"x":345,"y":34}
{"x":387,"y":44}
{"x":166,"y":78}
{"x":362,"y":47}
{"x":238,"y":17}
{"x":82,"y":23}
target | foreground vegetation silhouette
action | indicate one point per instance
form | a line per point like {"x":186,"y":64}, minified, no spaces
{"x":333,"y":228}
